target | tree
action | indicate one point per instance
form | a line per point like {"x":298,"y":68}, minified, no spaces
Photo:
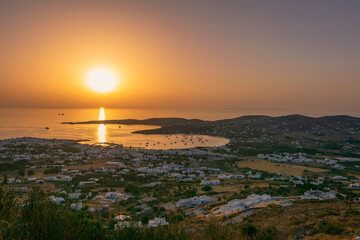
{"x":176,"y":218}
{"x":132,"y":188}
{"x":5,"y":180}
{"x":145,"y":220}
{"x":22,"y":172}
{"x":249,"y":230}
{"x":207,"y":188}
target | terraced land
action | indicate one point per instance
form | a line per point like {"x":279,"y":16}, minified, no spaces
{"x":284,"y":168}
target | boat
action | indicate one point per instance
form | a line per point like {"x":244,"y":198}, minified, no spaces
{"x":47,"y":128}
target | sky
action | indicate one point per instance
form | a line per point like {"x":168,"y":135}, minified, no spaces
{"x":213,"y":54}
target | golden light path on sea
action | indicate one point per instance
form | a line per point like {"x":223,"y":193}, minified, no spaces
{"x":102,"y":127}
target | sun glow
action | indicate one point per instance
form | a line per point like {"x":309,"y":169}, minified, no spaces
{"x":101,"y":80}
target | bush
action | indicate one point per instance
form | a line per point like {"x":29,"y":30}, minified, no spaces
{"x":331,"y":227}
{"x":5,"y":179}
{"x":9,"y":214}
{"x":269,"y":233}
{"x":207,"y":188}
{"x":52,"y":171}
{"x":40,"y":218}
{"x":249,"y":230}
{"x":176,"y":218}
{"x":132,"y":188}
{"x":22,"y":172}
{"x":145,"y":220}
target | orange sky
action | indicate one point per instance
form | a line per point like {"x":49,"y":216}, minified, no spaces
{"x":185,"y":54}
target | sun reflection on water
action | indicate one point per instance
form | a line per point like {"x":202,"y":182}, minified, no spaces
{"x":102,"y":127}
{"x":102,"y":133}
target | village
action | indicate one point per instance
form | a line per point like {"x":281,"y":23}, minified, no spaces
{"x":143,"y":187}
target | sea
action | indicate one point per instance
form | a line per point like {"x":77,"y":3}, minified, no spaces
{"x":46,"y":123}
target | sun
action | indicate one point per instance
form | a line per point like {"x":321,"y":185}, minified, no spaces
{"x":101,"y":80}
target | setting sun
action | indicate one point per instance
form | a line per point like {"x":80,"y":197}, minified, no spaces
{"x":101,"y":80}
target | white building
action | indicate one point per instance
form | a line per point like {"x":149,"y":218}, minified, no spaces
{"x":157,"y":222}
{"x":113,"y":195}
{"x":73,"y":195}
{"x":66,"y":179}
{"x":51,"y":179}
{"x":76,"y":206}
{"x":240,"y":204}
{"x":211,"y":182}
{"x":57,"y":200}
{"x":194,"y":202}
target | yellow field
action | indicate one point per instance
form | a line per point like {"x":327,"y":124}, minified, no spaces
{"x":95,"y":163}
{"x":221,"y":188}
{"x":289,"y":169}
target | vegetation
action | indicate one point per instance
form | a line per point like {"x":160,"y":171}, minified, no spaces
{"x":13,"y":166}
{"x":132,"y":188}
{"x":39,"y":218}
{"x":52,"y":171}
{"x":207,"y":188}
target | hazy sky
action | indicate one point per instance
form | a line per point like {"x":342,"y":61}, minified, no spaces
{"x":270,"y":54}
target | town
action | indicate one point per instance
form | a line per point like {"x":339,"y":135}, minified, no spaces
{"x":137,"y":187}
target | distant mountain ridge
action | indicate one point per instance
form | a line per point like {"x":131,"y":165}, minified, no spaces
{"x":166,"y":121}
{"x":150,"y":121}
{"x":251,"y":126}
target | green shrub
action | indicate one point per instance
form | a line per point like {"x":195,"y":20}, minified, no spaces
{"x":39,"y":218}
{"x":249,"y":230}
{"x":52,"y":171}
{"x":269,"y":234}
{"x":207,"y":188}
{"x":331,"y":227}
{"x":132,"y":188}
{"x":176,"y":218}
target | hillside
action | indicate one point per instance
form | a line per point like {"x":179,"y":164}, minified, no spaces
{"x":252,"y":127}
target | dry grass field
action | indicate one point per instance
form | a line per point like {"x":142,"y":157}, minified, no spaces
{"x":318,"y":220}
{"x":95,"y":163}
{"x":222,"y":189}
{"x":289,"y":169}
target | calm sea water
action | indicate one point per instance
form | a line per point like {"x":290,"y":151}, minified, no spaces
{"x":32,"y":123}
